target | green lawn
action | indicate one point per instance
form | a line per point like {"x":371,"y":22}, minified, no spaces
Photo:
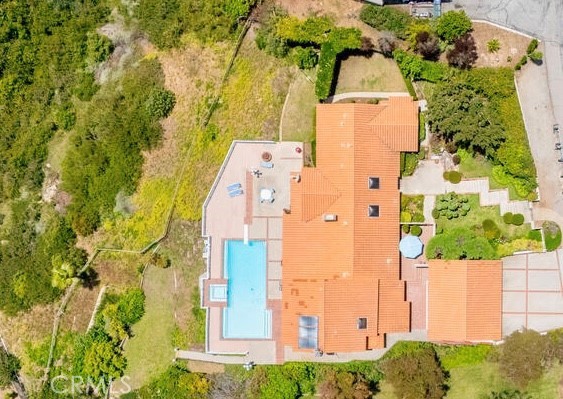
{"x":475,"y":381}
{"x":471,"y":167}
{"x":150,"y":351}
{"x":477,"y":214}
{"x":299,"y":115}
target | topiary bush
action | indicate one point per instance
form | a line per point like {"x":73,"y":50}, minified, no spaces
{"x":435,"y":213}
{"x":491,"y":230}
{"x":406,"y":216}
{"x":406,"y":228}
{"x":455,"y":177}
{"x":416,"y":230}
{"x":452,"y":206}
{"x":552,"y":235}
{"x":517,"y":219}
{"x":507,"y":217}
{"x":418,"y":218}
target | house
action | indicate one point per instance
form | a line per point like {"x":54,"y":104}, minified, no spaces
{"x":342,"y":290}
{"x":304,"y":261}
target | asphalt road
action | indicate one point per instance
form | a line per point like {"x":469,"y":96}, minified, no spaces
{"x":540,"y":18}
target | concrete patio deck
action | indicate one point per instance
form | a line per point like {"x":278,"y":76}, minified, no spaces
{"x":532,"y":291}
{"x":247,"y":217}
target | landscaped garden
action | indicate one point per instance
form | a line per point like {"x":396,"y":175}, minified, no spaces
{"x":473,"y":110}
{"x":467,"y":230}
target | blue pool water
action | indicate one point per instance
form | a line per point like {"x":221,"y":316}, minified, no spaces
{"x":246,"y":316}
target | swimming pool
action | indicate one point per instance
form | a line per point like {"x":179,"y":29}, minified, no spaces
{"x":246,"y":316}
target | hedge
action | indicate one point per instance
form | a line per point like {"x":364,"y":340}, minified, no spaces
{"x":325,"y":74}
{"x":386,"y":19}
{"x":532,"y":46}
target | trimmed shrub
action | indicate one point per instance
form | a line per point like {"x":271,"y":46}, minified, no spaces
{"x":518,"y":219}
{"x":452,"y":25}
{"x":418,"y":218}
{"x":406,"y":228}
{"x":552,"y":235}
{"x":507,"y":217}
{"x":446,"y":175}
{"x":491,"y":229}
{"x":532,"y":46}
{"x":452,"y":206}
{"x":406,"y":216}
{"x":160,"y":103}
{"x":535,"y":235}
{"x":536,"y":57}
{"x":493,"y":45}
{"x":435,"y":213}
{"x":304,"y":57}
{"x":455,"y":177}
{"x":325,"y":74}
{"x":416,"y":230}
{"x":456,"y":159}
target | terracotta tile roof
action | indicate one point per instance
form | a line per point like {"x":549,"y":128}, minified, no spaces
{"x":465,"y":300}
{"x":349,"y":268}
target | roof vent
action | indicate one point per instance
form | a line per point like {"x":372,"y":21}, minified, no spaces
{"x":330,"y":217}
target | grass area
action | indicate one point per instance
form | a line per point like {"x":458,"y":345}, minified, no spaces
{"x":376,"y":73}
{"x":549,"y":386}
{"x":385,"y":391}
{"x":150,"y":351}
{"x":462,"y":355}
{"x":475,"y":381}
{"x":477,"y":167}
{"x":474,"y":219}
{"x":298,"y":122}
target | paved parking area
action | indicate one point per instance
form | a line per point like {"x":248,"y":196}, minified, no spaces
{"x":532,"y":291}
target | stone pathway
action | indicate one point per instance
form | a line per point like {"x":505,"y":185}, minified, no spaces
{"x":428,"y":180}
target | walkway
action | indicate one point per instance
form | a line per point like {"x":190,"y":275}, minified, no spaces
{"x":428,"y":180}
{"x":364,"y":94}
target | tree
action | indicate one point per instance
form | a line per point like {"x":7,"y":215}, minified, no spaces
{"x":387,"y":45}
{"x":523,"y":357}
{"x":452,"y":25}
{"x":9,"y":368}
{"x":104,"y":359}
{"x":427,"y":45}
{"x":459,"y":113}
{"x":416,"y":375}
{"x":464,"y":53}
{"x":343,"y":385}
{"x":459,"y":243}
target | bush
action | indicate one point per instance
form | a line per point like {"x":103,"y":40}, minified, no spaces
{"x":523,"y":357}
{"x":535,"y":235}
{"x":416,"y":375}
{"x":455,"y":177}
{"x":491,"y":230}
{"x":267,"y":38}
{"x":523,"y":61}
{"x":325,"y":73}
{"x":456,"y":159}
{"x":160,"y":103}
{"x":343,"y":384}
{"x":435,"y":213}
{"x":459,"y":243}
{"x":452,"y":25}
{"x":452,"y":206}
{"x":536,"y":57}
{"x":532,"y":46}
{"x":304,"y":57}
{"x":507,"y":217}
{"x":464,"y":54}
{"x":427,"y":45}
{"x":387,"y":45}
{"x":386,"y":19}
{"x":416,"y":230}
{"x":552,"y":235}
{"x":9,"y":368}
{"x":518,"y":219}
{"x":462,"y":355}
{"x":406,"y":228}
{"x":493,"y":46}
{"x":406,"y":216}
{"x":418,"y":218}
